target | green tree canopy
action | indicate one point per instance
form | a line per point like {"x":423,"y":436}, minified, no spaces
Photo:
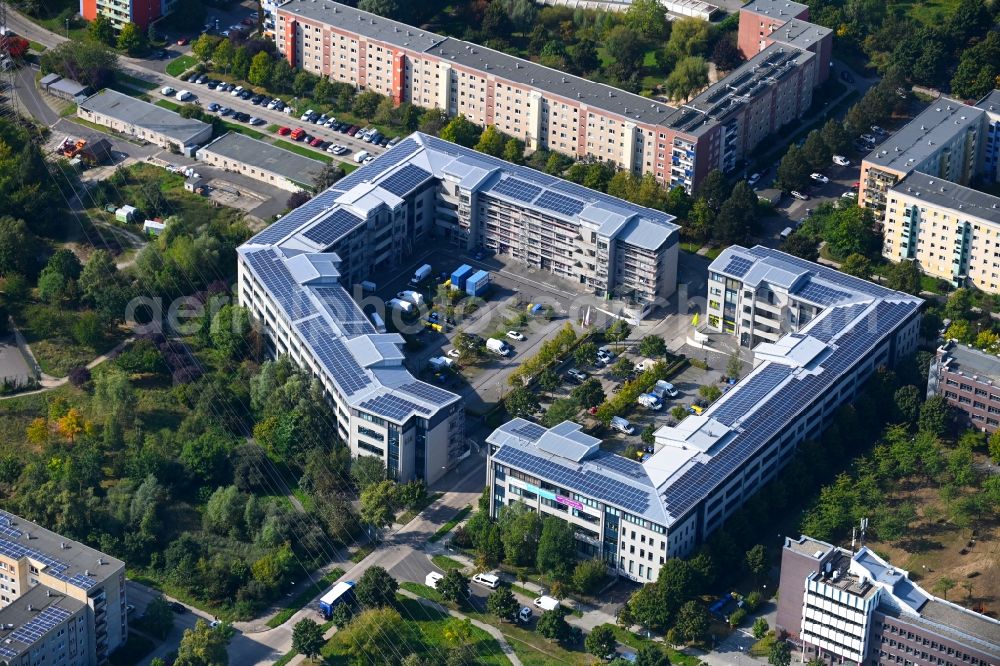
{"x":556,"y":548}
{"x":461,"y":130}
{"x":503,"y":604}
{"x":601,"y":641}
{"x":307,"y":637}
{"x":203,"y":646}
{"x":376,"y":588}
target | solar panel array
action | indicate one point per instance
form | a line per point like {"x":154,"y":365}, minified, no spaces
{"x":334,"y":355}
{"x":54,"y":567}
{"x":271,"y":271}
{"x":592,"y":484}
{"x":344,"y":310}
{"x":431,"y":394}
{"x":516,"y":189}
{"x":827,"y":274}
{"x":32,"y":630}
{"x":820,"y":293}
{"x":392,"y":407}
{"x":333,"y":227}
{"x":796,"y":396}
{"x":529,"y":430}
{"x":750,"y":392}
{"x":833,"y":321}
{"x":405,"y":180}
{"x":371,"y":171}
{"x":289,"y":223}
{"x":622,"y":465}
{"x":738,"y":266}
{"x":560,"y":203}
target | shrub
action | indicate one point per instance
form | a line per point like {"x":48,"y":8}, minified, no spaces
{"x":186,"y":375}
{"x":79,"y":376}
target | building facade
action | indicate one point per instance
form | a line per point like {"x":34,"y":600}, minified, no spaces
{"x":854,"y":607}
{"x":550,"y":109}
{"x":120,"y":12}
{"x":767,"y":22}
{"x":635,"y":515}
{"x":261,"y":161}
{"x":969,"y":380}
{"x":991,"y":144}
{"x":61,"y":602}
{"x":145,"y":121}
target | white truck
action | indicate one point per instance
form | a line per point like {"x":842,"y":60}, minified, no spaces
{"x":432,"y":579}
{"x":649,"y":401}
{"x":622,"y":425}
{"x":402,"y":306}
{"x":547,"y":603}
{"x":498,"y":346}
{"x":421,"y":274}
{"x":410,"y":296}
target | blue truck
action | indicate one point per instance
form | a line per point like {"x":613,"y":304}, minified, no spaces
{"x":460,"y":275}
{"x":341,"y":593}
{"x":477,"y":284}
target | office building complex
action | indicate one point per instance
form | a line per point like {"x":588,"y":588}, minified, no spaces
{"x":634,"y":514}
{"x":551,"y":109}
{"x":969,"y":380}
{"x":120,"y":12}
{"x":943,"y":141}
{"x":61,"y":603}
{"x":845,"y":607}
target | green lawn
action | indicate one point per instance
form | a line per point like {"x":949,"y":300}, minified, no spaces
{"x":36,"y":47}
{"x":446,"y":563}
{"x":134,"y":82}
{"x":929,"y":12}
{"x":450,"y":525}
{"x":55,"y":341}
{"x":305,"y":595}
{"x":305,"y":152}
{"x":178,"y":66}
{"x":167,"y":104}
{"x":242,"y":129}
{"x":626,"y":637}
{"x":421,"y":590}
{"x":272,"y":128}
{"x":361,"y":553}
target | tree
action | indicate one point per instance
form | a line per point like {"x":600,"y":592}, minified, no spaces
{"x":307,"y":637}
{"x":737,"y":617}
{"x":651,"y":655}
{"x":461,"y":130}
{"x":548,"y":381}
{"x":260,"y":69}
{"x":688,"y":37}
{"x":648,"y":434}
{"x":503,"y":604}
{"x":222,"y":56}
{"x":760,"y":628}
{"x":977,"y":69}
{"x":994,"y":447}
{"x":327,"y":176}
{"x":376,"y":588}
{"x":366,"y":104}
{"x":692,"y":621}
{"x":230,"y":328}
{"x":378,"y":504}
{"x":158,"y":619}
{"x":734,"y":367}
{"x":726,"y":55}
{"x":491,"y":141}
{"x":835,"y":136}
{"x":202,"y":646}
{"x":367,"y":471}
{"x":556,"y":548}
{"x":601,"y":641}
{"x":904,"y":276}
{"x":204,"y":47}
{"x":588,"y":394}
{"x":649,"y":19}
{"x":553,"y":626}
{"x":780,"y":654}
{"x":131,"y":40}
{"x":90,"y":63}
{"x":496,"y":24}
{"x":847,"y":231}
{"x":857,"y":265}
{"x":563,"y":409}
{"x":935,"y":415}
{"x":756,"y":560}
{"x":387,"y":8}
{"x":619,"y":331}
{"x":793,"y":171}
{"x":815,"y":151}
{"x":454,"y":587}
{"x":342,"y":615}
{"x":738,"y":215}
{"x":589,"y":575}
{"x":652,"y":346}
{"x":623,"y":367}
{"x":585,"y":354}
{"x":375,"y":633}
{"x":688,"y":76}
{"x":513,"y":151}
{"x":584,"y":57}
{"x":626,"y":46}
{"x":101,"y":30}
{"x":521,"y":402}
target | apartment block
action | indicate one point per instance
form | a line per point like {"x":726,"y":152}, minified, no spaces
{"x":120,"y":12}
{"x":854,"y":607}
{"x":990,"y":169}
{"x":951,"y":231}
{"x":61,"y":602}
{"x":636,"y":514}
{"x":550,"y":109}
{"x":944,"y":141}
{"x":767,"y":22}
{"x":969,"y":380}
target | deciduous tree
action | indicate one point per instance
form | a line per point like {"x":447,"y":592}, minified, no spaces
{"x":307,"y":637}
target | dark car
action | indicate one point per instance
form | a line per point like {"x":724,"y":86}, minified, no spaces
{"x":201,"y":79}
{"x":229,"y":87}
{"x":280,"y":106}
{"x":246,"y":94}
{"x":847,"y":76}
{"x":354,"y":130}
{"x":384,"y":141}
{"x":178,"y":607}
{"x":242,"y":117}
{"x":256,"y":99}
{"x":212,"y":85}
{"x":214,"y":107}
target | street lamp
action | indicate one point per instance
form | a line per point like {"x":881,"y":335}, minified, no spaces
{"x":67,"y":27}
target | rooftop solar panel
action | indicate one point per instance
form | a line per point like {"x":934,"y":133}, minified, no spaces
{"x":274,"y":275}
{"x":295,"y":219}
{"x":334,"y":356}
{"x":820,"y":293}
{"x":531,"y":431}
{"x":371,"y":171}
{"x":431,"y":394}
{"x":32,"y":630}
{"x":749,"y":393}
{"x":560,"y":204}
{"x":738,"y":266}
{"x":332,"y":227}
{"x":405,"y":180}
{"x":392,"y":407}
{"x":344,"y":310}
{"x":516,"y":189}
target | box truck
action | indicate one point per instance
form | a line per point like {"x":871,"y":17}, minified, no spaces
{"x":421,"y":274}
{"x":460,"y":275}
{"x":341,"y":593}
{"x":477,"y":283}
{"x":377,"y":322}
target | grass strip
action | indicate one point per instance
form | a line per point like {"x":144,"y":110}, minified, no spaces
{"x":446,"y":563}
{"x":304,"y":596}
{"x":303,"y":151}
{"x":450,"y":525}
{"x":178,"y":66}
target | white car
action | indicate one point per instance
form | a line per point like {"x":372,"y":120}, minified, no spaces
{"x":214,"y":623}
{"x":273,"y":103}
{"x":819,"y":178}
{"x":256,"y":121}
{"x":235,"y":92}
{"x":752,"y":180}
{"x":841,"y":160}
{"x":332,"y":148}
{"x":369,"y":159}
{"x":307,"y":115}
{"x":799,"y":195}
{"x":168,"y":91}
{"x":849,"y":195}
{"x":515,"y":335}
{"x":453,"y":353}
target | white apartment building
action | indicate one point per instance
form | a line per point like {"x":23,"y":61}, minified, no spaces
{"x":61,"y":602}
{"x":707,"y":466}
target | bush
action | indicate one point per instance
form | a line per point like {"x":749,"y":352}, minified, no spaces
{"x":752,"y":601}
{"x":79,"y":376}
{"x":736,"y":617}
{"x":186,"y":375}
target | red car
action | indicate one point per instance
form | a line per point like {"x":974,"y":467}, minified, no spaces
{"x":315,"y":142}
{"x":284,"y":131}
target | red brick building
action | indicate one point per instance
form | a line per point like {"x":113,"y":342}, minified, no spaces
{"x":969,"y":380}
{"x":140,"y":12}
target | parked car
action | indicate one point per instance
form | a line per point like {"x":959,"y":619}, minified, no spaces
{"x":878,"y":131}
{"x":753,"y":179}
{"x":799,"y":195}
{"x":213,"y":107}
{"x":369,"y":159}
{"x":246,"y":94}
{"x":168,"y":91}
{"x":353,"y":130}
{"x":273,"y":103}
{"x":578,"y":375}
{"x":819,"y":178}
{"x":393,"y":141}
{"x":315,"y":142}
{"x":284,"y":131}
{"x":516,"y":335}
{"x":235,"y":92}
{"x":307,"y":115}
{"x":849,"y":195}
{"x":256,"y":121}
{"x":183,"y":95}
{"x":868,"y":138}
{"x":225,"y":111}
{"x":841,"y":160}
{"x":297,"y":134}
{"x":384,"y":141}
{"x":322,"y":119}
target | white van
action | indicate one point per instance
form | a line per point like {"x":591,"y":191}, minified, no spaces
{"x":487,"y":580}
{"x":183,"y":95}
{"x":432,"y":579}
{"x":361,"y":156}
{"x":547,"y":603}
{"x":622,"y":425}
{"x":785,"y":233}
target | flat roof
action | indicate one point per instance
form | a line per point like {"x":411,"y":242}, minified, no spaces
{"x":529,"y":74}
{"x":49,"y":609}
{"x":266,"y":156}
{"x":991,"y":102}
{"x":60,"y":557}
{"x":143,"y":114}
{"x":943,"y":193}
{"x":777,"y":8}
{"x":800,"y":34}
{"x":971,"y":362}
{"x":935,"y":126}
